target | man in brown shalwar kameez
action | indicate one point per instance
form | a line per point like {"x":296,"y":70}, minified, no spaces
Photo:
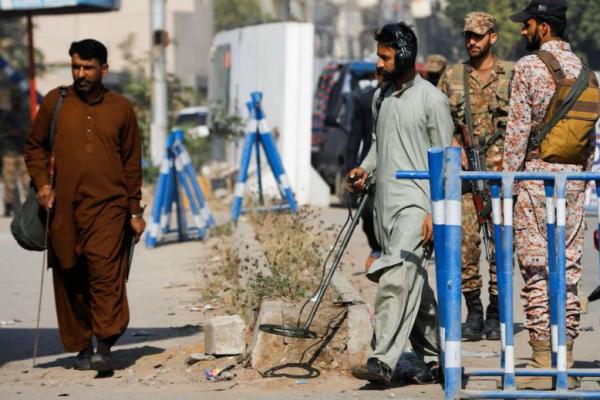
{"x":95,"y":204}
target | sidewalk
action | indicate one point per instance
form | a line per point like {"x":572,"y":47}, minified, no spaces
{"x":166,"y":325}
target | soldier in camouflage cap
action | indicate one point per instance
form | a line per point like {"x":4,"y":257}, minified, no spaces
{"x":435,"y":66}
{"x":487,"y":80}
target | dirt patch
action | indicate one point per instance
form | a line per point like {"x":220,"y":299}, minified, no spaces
{"x":295,"y":246}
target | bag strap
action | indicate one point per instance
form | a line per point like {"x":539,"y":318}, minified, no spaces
{"x":553,"y":65}
{"x":576,"y":90}
{"x":468,"y":116}
{"x":63,"y":91}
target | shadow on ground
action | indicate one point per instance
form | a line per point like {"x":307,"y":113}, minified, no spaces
{"x":304,"y":369}
{"x":17,"y":343}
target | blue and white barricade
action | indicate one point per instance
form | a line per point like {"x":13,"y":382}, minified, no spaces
{"x":17,"y":78}
{"x":445,"y":177}
{"x":259,"y":135}
{"x":176,"y":173}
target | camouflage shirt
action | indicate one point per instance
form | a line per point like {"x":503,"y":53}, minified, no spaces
{"x":489,"y":105}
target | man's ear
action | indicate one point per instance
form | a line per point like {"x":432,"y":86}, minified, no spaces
{"x":493,"y":37}
{"x":105,"y":70}
{"x":545,"y":30}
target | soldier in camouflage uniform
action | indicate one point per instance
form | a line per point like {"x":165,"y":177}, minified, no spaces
{"x":488,"y":81}
{"x":14,"y":124}
{"x":533,"y":87}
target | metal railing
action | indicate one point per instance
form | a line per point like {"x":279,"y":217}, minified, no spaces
{"x":445,"y":176}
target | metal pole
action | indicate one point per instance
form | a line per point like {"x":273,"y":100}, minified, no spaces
{"x":31,"y":70}
{"x":158,"y":127}
{"x":561,"y":284}
{"x":497,"y":219}
{"x":552,"y":271}
{"x":436,"y":182}
{"x":452,"y":254}
{"x":506,"y":297}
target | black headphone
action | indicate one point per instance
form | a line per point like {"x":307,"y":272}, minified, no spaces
{"x":397,"y":35}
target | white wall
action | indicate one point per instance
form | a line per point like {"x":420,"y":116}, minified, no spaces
{"x":277,"y":59}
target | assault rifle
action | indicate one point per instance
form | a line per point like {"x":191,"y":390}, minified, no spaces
{"x":481,"y":198}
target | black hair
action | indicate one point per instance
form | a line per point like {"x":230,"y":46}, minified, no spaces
{"x":558,"y":25}
{"x":89,"y":49}
{"x":393,"y":34}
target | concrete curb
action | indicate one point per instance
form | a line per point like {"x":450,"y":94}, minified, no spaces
{"x":254,"y":261}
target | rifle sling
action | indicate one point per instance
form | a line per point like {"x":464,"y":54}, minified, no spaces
{"x":468,"y":116}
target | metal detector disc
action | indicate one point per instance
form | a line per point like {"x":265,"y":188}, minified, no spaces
{"x":289,"y":331}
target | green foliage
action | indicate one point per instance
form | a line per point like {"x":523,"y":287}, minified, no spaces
{"x":231,"y":14}
{"x":583,"y":22}
{"x":229,"y":126}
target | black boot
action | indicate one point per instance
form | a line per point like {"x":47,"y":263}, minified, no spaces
{"x":492,"y":319}
{"x":472,"y":329}
{"x":83,"y":360}
{"x":102,"y":361}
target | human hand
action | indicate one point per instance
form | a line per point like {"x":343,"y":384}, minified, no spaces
{"x":138,"y":225}
{"x":427,"y":230}
{"x":464,"y":162}
{"x":45,"y":197}
{"x":356,"y":179}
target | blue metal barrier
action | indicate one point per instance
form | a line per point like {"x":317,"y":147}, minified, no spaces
{"x":176,"y":172}
{"x":258,"y":134}
{"x":446,"y":177}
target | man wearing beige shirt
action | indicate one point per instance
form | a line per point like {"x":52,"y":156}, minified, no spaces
{"x":411,"y":116}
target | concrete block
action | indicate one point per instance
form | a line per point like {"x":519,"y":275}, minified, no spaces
{"x":225,"y":335}
{"x":360,"y":332}
{"x":264,"y":344}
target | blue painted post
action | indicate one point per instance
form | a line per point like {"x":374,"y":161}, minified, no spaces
{"x":184,"y":163}
{"x":506,"y":299}
{"x":200,"y":225}
{"x":159,"y":197}
{"x":436,"y":183}
{"x":452,"y":254}
{"x":261,"y":197}
{"x":561,"y":284}
{"x":238,"y":195}
{"x":552,"y":267}
{"x":597,"y":182}
{"x":165,"y":218}
{"x":497,"y":220}
{"x":271,"y":152}
{"x":181,"y":225}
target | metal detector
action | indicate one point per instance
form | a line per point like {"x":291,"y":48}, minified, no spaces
{"x":304,"y":332}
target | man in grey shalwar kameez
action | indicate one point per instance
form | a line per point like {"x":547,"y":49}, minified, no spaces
{"x":411,"y":116}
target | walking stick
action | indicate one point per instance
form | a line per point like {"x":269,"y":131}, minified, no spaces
{"x":45,"y":256}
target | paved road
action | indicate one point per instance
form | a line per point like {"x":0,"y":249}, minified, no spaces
{"x":162,"y":287}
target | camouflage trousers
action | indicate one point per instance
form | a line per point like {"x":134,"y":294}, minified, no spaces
{"x":471,"y":250}
{"x":13,"y":171}
{"x":531,"y":247}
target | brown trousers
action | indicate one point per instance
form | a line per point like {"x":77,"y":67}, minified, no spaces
{"x":91,"y":299}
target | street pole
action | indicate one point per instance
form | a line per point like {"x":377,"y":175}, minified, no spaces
{"x":158,"y":127}
{"x":31,"y":70}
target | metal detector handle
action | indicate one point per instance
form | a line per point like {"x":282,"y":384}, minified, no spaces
{"x":346,"y":239}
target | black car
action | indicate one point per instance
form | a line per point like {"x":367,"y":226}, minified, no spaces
{"x":332,"y":118}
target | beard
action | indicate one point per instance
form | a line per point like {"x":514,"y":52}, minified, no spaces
{"x":389,"y":76}
{"x":533,"y":44}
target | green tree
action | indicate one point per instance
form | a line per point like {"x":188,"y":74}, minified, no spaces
{"x":231,"y":14}
{"x":582,"y":28}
